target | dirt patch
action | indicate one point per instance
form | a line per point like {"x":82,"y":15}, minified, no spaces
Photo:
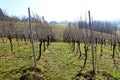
{"x":3,"y":55}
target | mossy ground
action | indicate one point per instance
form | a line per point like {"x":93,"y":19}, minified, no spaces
{"x":56,"y":63}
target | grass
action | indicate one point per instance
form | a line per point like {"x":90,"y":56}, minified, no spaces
{"x":59,"y":65}
{"x":58,"y":30}
{"x":56,"y":63}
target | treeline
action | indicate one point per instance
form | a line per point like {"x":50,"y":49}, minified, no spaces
{"x":4,"y":16}
{"x":99,"y":26}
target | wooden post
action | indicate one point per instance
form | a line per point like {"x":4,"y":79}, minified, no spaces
{"x":92,"y":41}
{"x":32,"y":40}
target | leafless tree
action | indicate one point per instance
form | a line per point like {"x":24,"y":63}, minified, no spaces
{"x":10,"y":32}
{"x":43,"y":33}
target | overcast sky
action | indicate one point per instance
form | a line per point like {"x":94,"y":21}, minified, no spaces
{"x":60,"y":10}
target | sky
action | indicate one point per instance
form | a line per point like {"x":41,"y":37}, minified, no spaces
{"x":61,"y":10}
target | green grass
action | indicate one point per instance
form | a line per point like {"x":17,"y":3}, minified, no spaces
{"x":58,"y":30}
{"x":56,"y":63}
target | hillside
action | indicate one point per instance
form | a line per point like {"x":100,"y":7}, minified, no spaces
{"x":57,"y":62}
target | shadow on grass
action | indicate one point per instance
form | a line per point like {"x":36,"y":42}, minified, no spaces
{"x":32,"y":73}
{"x":107,"y":75}
{"x":89,"y":75}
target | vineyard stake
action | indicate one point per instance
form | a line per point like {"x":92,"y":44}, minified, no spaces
{"x":92,"y":41}
{"x":32,"y":40}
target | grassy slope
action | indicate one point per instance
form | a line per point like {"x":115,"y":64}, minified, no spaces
{"x":57,"y":62}
{"x":58,"y":31}
{"x":12,"y":62}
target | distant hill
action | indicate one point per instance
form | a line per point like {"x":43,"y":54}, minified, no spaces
{"x":2,"y":16}
{"x":60,"y":23}
{"x":53,"y":22}
{"x":5,"y":17}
